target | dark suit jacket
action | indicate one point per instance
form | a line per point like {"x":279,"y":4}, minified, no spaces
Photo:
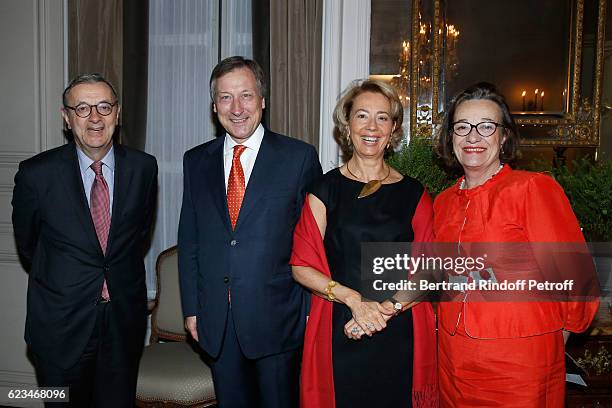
{"x":268,"y":306}
{"x":57,"y":242}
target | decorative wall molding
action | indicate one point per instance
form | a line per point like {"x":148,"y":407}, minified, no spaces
{"x":345,"y":57}
{"x":14,"y":158}
{"x":8,"y":257}
{"x":34,"y":73}
{"x":16,"y":377}
{"x":17,"y":380}
{"x":49,"y":26}
{"x":8,"y":252}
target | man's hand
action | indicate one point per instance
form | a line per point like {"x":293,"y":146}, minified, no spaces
{"x":192,"y":326}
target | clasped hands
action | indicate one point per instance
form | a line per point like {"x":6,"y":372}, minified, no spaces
{"x":369,"y":317}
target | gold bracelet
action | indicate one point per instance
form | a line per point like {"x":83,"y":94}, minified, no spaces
{"x":328,"y":290}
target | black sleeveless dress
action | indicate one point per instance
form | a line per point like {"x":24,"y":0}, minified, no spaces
{"x":374,"y":371}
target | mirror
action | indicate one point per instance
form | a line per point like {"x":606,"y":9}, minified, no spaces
{"x":514,"y":45}
{"x":546,"y":57}
{"x":390,"y":44}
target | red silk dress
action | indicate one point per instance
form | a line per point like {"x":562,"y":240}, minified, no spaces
{"x":506,"y":354}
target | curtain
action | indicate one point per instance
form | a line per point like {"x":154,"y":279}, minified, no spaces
{"x":184,"y":47}
{"x":295,"y":68}
{"x":95,"y":38}
{"x":261,"y":42}
{"x":236,"y":34}
{"x":135,"y":57}
{"x":110,"y":37}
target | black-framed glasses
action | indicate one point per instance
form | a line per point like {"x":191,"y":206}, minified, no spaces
{"x":484,"y":129}
{"x":83,"y":110}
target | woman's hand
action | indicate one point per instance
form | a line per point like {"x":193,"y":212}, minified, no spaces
{"x":352,"y":330}
{"x":370,"y":316}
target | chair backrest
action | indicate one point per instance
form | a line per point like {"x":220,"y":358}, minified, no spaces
{"x":167,"y":319}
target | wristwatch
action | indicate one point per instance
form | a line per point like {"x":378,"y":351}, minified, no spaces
{"x":397,"y":305}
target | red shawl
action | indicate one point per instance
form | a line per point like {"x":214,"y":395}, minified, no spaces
{"x":317,"y":383}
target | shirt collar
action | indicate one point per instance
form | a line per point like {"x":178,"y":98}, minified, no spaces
{"x":85,"y":161}
{"x":253,"y":142}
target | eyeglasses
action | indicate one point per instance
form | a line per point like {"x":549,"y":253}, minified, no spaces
{"x":83,"y":110}
{"x":484,"y":129}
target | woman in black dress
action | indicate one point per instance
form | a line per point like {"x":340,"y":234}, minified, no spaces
{"x":365,"y":200}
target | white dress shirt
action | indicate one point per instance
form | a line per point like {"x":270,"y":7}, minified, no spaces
{"x":248,"y":156}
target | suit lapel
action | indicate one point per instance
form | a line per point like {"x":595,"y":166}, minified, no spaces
{"x":70,"y":171}
{"x":261,"y":176}
{"x":214,"y":175}
{"x":123,"y":179}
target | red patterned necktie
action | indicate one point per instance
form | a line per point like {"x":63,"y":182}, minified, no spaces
{"x":100,"y":212}
{"x":235,"y":185}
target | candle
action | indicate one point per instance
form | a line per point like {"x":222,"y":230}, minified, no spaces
{"x":535,"y":100}
{"x":542,"y":101}
{"x":523,"y":95}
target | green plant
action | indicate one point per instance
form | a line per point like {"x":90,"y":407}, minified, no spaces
{"x":418,"y":160}
{"x":600,"y":362}
{"x":588,"y":186}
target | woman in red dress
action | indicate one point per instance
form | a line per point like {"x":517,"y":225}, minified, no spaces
{"x":501,"y":354}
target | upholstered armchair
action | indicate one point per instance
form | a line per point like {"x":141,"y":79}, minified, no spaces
{"x":172,"y":371}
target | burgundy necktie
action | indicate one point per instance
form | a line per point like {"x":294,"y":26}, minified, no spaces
{"x":235,"y":186}
{"x":100,"y":212}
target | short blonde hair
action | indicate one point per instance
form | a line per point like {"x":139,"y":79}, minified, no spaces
{"x":342,"y":112}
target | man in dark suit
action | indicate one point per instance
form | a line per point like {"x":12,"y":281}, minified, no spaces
{"x":242,"y":197}
{"x":81,"y":215}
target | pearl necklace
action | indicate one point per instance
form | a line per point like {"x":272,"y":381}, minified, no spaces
{"x":462,"y":185}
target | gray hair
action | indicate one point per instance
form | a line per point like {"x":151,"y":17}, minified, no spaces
{"x":92,"y":78}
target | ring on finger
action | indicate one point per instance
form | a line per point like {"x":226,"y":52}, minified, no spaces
{"x":355,"y":330}
{"x":370,"y":326}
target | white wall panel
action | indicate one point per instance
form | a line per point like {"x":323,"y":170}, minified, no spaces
{"x":32,"y":80}
{"x":345,"y":57}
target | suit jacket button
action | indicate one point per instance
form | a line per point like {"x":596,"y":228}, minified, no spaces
{"x":106,"y":268}
{"x":225,"y":280}
{"x":233,"y":242}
